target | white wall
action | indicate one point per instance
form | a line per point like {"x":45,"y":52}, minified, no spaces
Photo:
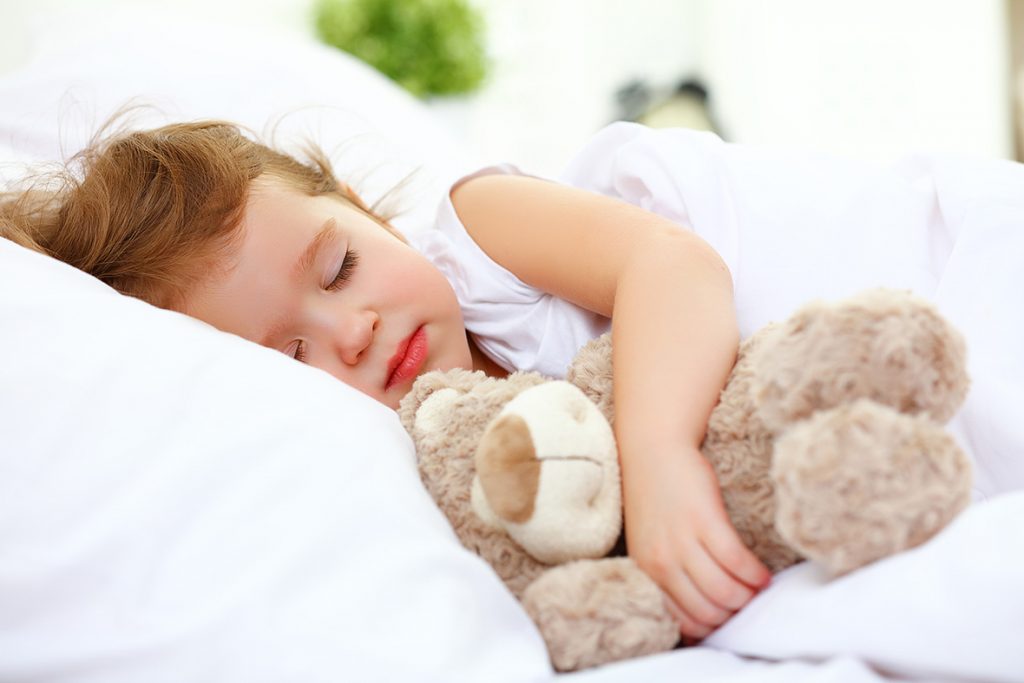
{"x":871,"y":78}
{"x":557,"y":65}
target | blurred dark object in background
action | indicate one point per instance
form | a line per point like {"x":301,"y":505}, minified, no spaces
{"x":685,"y":106}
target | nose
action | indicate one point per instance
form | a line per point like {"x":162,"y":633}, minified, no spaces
{"x":353,"y":332}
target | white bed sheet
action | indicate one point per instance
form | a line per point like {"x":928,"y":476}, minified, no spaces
{"x":708,"y":665}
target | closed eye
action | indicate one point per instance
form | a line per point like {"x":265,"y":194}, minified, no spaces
{"x":297,"y":350}
{"x":348,"y":264}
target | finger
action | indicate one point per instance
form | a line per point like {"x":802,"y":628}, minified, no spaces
{"x":716,"y":583}
{"x":692,"y":631}
{"x":725,"y":546}
{"x":692,"y":602}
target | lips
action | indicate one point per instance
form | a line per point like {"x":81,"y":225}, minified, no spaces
{"x":408,"y":359}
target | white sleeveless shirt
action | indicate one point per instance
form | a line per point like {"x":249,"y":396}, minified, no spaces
{"x":518,"y":326}
{"x":703,"y":184}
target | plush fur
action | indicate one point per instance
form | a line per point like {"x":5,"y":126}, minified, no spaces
{"x":827,"y":442}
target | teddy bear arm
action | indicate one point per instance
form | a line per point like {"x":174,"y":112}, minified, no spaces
{"x":884,"y":345}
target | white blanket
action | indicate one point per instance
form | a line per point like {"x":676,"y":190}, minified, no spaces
{"x":951,"y":609}
{"x":798,"y":227}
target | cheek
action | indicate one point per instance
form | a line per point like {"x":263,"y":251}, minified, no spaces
{"x":442,"y":292}
{"x":423,"y":281}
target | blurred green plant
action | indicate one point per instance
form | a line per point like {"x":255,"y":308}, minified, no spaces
{"x":430,"y":47}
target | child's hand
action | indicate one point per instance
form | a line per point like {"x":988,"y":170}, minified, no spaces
{"x":678,"y":532}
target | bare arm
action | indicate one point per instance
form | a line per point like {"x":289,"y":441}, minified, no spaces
{"x":673,"y":324}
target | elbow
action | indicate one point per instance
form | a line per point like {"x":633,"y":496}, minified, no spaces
{"x":688,"y":252}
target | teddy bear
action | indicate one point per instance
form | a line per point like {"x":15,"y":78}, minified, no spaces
{"x":827,"y":440}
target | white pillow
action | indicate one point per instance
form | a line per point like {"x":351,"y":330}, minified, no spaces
{"x":177,"y":504}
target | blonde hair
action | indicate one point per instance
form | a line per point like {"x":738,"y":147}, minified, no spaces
{"x":152,"y":213}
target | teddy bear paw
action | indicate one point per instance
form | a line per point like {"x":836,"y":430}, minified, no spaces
{"x":863,"y":481}
{"x":592,"y":612}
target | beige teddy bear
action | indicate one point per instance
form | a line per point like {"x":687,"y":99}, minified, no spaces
{"x":827,"y":442}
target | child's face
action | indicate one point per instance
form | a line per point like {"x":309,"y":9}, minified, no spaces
{"x":321,"y":281}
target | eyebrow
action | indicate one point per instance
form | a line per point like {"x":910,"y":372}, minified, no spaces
{"x":312,"y":252}
{"x":323,"y":238}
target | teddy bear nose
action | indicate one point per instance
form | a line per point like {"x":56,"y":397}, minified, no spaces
{"x":508,"y":468}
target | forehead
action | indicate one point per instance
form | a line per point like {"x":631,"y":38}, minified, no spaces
{"x":283,"y":228}
{"x":277,"y":226}
{"x":272,"y":198}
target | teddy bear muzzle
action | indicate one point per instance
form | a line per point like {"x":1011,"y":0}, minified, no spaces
{"x":547,"y":474}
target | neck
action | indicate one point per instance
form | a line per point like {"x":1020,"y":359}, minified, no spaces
{"x":482,"y":362}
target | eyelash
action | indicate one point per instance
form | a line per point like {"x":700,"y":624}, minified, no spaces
{"x":348,"y":264}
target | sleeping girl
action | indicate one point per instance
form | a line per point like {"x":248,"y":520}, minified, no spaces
{"x":658,"y":236}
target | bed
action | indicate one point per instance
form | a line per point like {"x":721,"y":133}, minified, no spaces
{"x":177,"y":504}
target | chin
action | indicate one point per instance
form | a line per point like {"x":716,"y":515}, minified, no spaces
{"x":392,"y":401}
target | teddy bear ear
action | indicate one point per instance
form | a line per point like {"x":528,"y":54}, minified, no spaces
{"x":458,"y":380}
